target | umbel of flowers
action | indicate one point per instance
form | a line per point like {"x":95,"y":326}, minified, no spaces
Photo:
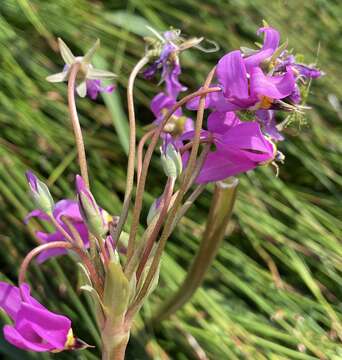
{"x":244,"y":93}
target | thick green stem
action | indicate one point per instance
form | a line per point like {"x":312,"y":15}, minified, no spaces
{"x":220,"y":212}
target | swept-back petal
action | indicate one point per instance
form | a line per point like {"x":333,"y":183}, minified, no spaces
{"x":220,"y":122}
{"x":271,"y":39}
{"x":220,"y":165}
{"x":271,"y":43}
{"x":274,"y":87}
{"x":232,"y":75}
{"x":247,"y":139}
{"x":14,"y":337}
{"x":10,"y":300}
{"x":50,"y":327}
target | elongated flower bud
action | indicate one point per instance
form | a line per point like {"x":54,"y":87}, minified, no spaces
{"x":40,"y":193}
{"x":154,"y":210}
{"x":90,"y":211}
{"x":171,"y":161}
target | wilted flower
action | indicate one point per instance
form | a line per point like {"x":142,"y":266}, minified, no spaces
{"x":166,"y":48}
{"x":89,"y":79}
{"x":34,"y":327}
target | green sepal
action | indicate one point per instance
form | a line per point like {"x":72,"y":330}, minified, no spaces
{"x":98,"y":74}
{"x":116,"y":292}
{"x":171,"y":162}
{"x":59,"y":77}
{"x":92,"y":215}
{"x":42,"y":198}
{"x":81,"y":89}
{"x":66,"y":53}
{"x":90,"y":53}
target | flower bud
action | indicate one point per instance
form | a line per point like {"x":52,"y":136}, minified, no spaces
{"x":171,"y":161}
{"x":40,"y":193}
{"x":90,"y":211}
{"x":154,"y":210}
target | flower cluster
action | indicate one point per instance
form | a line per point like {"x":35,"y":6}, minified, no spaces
{"x":255,"y":82}
{"x":238,"y":134}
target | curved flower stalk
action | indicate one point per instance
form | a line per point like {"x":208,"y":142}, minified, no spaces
{"x":121,"y":269}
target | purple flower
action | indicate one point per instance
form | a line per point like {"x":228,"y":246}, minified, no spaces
{"x":69,"y":209}
{"x":303,"y":71}
{"x":169,"y":63}
{"x":170,"y":75}
{"x":268,"y":124}
{"x":308,"y":72}
{"x":34,"y":327}
{"x":239,"y":147}
{"x":94,"y":88}
{"x":178,"y":124}
{"x":242,"y":89}
{"x":32,"y":180}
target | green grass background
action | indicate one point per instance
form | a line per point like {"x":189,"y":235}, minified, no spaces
{"x":284,"y":229}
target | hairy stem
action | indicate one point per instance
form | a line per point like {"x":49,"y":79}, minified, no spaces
{"x":76,"y":123}
{"x":146,"y":163}
{"x":153,"y":237}
{"x":186,"y":178}
{"x":220,"y":212}
{"x":36,"y":251}
{"x":141,"y":145}
{"x":132,"y":148}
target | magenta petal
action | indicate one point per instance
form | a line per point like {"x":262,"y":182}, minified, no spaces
{"x":220,"y":122}
{"x":248,"y":139}
{"x":38,"y":214}
{"x":274,"y":87}
{"x":231,"y":73}
{"x":257,"y":58}
{"x":271,"y":43}
{"x":9,"y":299}
{"x":220,"y":165}
{"x":214,"y":100}
{"x":163,"y":102}
{"x":67,"y":208}
{"x":271,"y":39}
{"x":35,"y":328}
{"x":51,"y":327}
{"x":15,"y":338}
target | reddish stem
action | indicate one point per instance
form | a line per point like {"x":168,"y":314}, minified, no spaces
{"x":147,"y":159}
{"x":36,"y":251}
{"x":151,"y":240}
{"x":141,"y":145}
{"x":82,"y":160}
